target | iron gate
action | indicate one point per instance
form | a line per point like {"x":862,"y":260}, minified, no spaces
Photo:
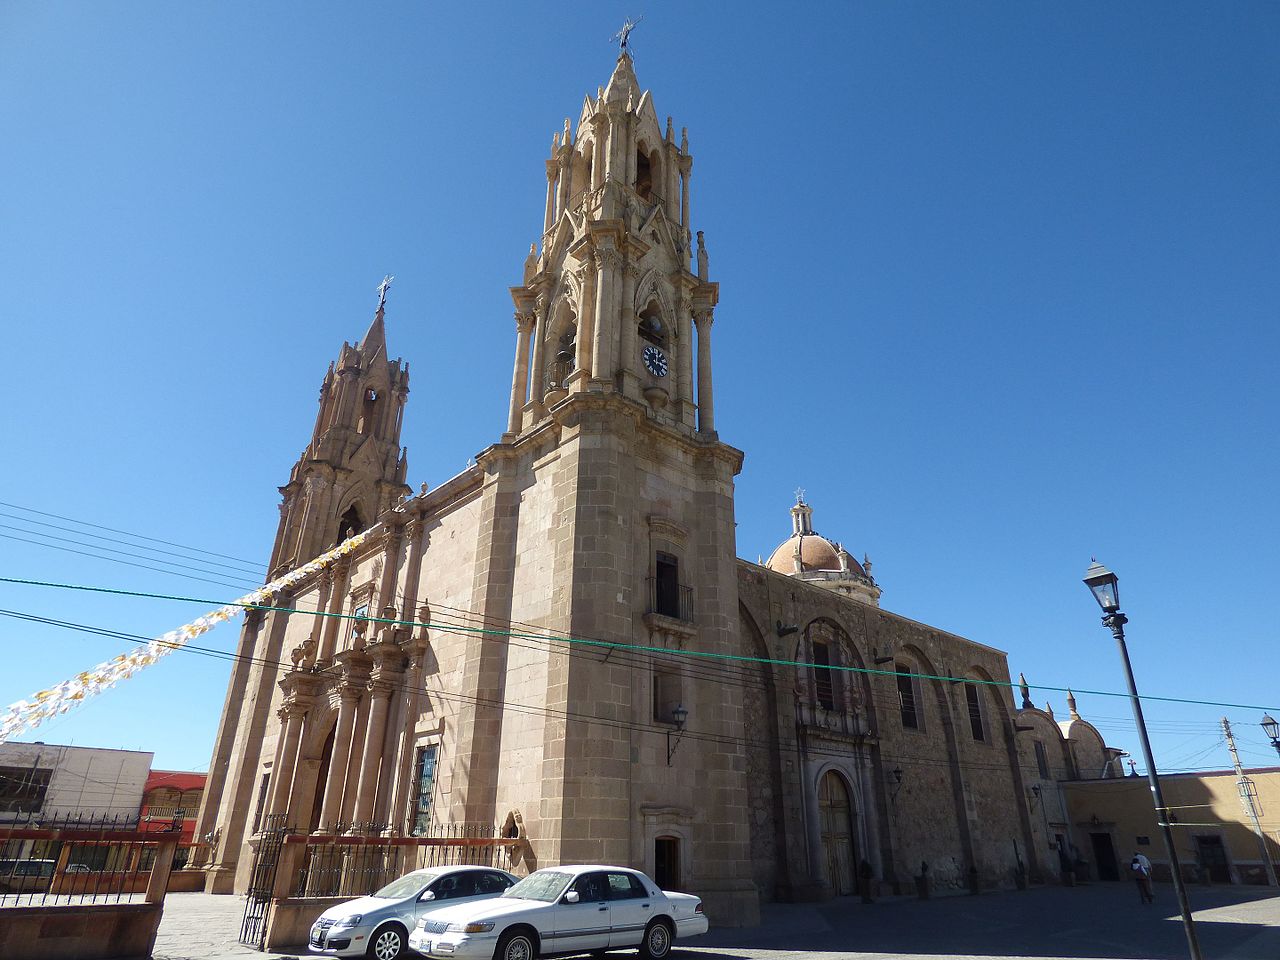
{"x":262,"y":881}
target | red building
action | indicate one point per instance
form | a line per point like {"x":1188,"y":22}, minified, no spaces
{"x":171,"y":795}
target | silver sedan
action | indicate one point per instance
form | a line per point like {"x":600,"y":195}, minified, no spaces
{"x":378,"y":925}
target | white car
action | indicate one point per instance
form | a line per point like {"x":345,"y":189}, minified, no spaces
{"x":379,"y":925}
{"x":563,"y":910}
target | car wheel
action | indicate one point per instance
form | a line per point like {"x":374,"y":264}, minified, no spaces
{"x":387,"y":943}
{"x":657,"y":941}
{"x":516,"y":945}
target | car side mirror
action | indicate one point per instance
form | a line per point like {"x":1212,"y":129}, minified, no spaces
{"x":429,"y":895}
{"x":571,"y":896}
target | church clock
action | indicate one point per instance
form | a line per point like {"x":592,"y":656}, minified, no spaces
{"x":655,"y":361}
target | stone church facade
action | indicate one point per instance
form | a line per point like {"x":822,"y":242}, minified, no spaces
{"x":579,"y":655}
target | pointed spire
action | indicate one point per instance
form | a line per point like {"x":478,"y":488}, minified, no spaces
{"x":1025,"y":689}
{"x":1071,"y":704}
{"x":375,"y":338}
{"x":1048,"y":708}
{"x":623,"y":85}
{"x":671,"y":137}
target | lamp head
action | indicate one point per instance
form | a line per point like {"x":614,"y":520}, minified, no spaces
{"x":1104,"y":585}
{"x":680,"y":715}
{"x":1270,"y":727}
{"x":897,"y":775}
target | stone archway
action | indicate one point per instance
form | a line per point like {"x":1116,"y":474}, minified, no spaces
{"x":835,"y":812}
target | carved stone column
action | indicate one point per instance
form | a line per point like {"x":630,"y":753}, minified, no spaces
{"x":706,"y":401}
{"x":628,"y":347}
{"x":683,"y":359}
{"x":386,"y":675}
{"x":586,"y":323}
{"x":331,"y":806}
{"x":333,"y":622}
{"x":537,"y":371}
{"x":520,"y":376}
{"x":552,"y":168}
{"x":607,"y":262}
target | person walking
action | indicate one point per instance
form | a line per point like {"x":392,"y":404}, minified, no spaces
{"x":1141,"y":868}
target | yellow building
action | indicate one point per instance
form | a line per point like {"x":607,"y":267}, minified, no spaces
{"x":1215,"y":837}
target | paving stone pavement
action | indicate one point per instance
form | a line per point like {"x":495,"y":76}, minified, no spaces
{"x":1101,"y":921}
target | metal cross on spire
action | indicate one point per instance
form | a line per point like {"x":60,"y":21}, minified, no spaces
{"x":383,"y":287}
{"x":622,"y":35}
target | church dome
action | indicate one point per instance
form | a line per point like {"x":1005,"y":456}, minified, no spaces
{"x":813,"y":558}
{"x":816,"y":553}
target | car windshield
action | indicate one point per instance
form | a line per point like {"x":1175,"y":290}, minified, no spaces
{"x":409,"y":885}
{"x":544,"y":885}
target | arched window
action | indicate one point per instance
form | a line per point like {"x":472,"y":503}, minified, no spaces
{"x":369,"y":411}
{"x":564,"y":359}
{"x":651,"y":327}
{"x":350,"y":523}
{"x":827,"y":685}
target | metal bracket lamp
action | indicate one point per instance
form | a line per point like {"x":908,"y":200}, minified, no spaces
{"x":1271,"y":727}
{"x":678,"y":716}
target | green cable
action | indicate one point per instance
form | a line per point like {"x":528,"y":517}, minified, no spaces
{"x":704,"y":654}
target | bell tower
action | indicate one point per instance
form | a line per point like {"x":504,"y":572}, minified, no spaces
{"x":354,"y":468}
{"x":606,"y":512}
{"x":610,"y":303}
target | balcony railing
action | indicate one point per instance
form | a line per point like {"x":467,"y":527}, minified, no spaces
{"x":668,"y":599}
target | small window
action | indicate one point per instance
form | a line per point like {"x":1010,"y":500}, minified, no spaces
{"x":1042,"y":761}
{"x":972,"y":698}
{"x":424,"y":776}
{"x":667,"y":586}
{"x":907,"y":697}
{"x":359,"y":620}
{"x":666,"y":695}
{"x":823,"y":686}
{"x":666,"y":863}
{"x":262,"y":802}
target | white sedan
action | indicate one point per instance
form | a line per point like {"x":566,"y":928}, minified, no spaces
{"x":563,"y":910}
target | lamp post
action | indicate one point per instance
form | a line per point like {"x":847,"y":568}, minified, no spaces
{"x":1105,"y":587}
{"x":1272,"y":729}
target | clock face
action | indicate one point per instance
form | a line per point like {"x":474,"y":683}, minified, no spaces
{"x":655,"y":361}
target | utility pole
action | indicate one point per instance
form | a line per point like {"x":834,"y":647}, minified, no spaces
{"x":1245,"y":786}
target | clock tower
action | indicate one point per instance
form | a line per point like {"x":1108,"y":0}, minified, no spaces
{"x":606,"y":519}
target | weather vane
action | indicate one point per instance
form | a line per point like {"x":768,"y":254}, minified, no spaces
{"x":383,"y":287}
{"x":622,"y":35}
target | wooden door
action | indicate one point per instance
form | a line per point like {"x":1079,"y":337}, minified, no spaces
{"x":835,"y":810}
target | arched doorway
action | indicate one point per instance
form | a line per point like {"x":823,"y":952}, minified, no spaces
{"x":835,"y":812}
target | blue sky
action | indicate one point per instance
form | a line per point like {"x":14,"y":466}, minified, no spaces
{"x":998,"y":289}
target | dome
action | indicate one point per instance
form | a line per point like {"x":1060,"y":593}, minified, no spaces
{"x":816,"y":553}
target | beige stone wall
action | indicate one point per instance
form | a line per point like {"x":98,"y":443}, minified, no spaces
{"x":1205,"y":805}
{"x":961,"y":802}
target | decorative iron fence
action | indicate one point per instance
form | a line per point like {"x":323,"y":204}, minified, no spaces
{"x":356,"y":864}
{"x":78,"y":859}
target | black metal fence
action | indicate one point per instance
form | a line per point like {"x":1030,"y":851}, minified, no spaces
{"x":78,"y":859}
{"x":668,"y":598}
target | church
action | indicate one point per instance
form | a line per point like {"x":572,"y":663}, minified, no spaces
{"x":564,"y":641}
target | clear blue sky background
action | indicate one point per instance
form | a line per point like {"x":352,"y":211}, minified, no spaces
{"x":999,"y":289}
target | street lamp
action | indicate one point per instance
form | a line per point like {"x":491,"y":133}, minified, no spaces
{"x":1105,"y":587}
{"x":678,"y":716}
{"x":1272,"y":729}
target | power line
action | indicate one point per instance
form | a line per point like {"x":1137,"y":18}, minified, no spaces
{"x":137,"y":536}
{"x":235,"y":568}
{"x":704,"y":655}
{"x":533,"y":709}
{"x":128,"y":563}
{"x":123,"y":553}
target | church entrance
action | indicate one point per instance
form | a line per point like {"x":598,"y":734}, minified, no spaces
{"x":835,"y":811}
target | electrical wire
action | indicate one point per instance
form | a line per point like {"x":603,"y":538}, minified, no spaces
{"x":704,"y":655}
{"x":136,"y":536}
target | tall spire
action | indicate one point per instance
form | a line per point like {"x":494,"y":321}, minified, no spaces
{"x":376,"y":336}
{"x":1025,"y":691}
{"x":623,"y":85}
